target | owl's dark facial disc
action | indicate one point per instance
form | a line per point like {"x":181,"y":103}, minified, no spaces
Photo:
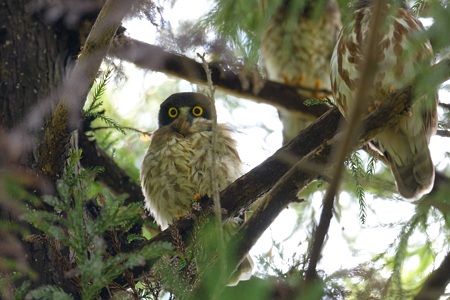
{"x":199,"y":107}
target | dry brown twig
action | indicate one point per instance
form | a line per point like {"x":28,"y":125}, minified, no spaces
{"x":343,"y":149}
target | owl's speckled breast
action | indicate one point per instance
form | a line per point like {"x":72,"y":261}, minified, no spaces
{"x":177,"y":166}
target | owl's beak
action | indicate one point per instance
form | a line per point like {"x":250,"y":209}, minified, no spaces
{"x":183,"y":123}
{"x":185,"y":115}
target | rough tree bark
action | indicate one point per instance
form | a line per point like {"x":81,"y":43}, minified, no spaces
{"x":34,"y":57}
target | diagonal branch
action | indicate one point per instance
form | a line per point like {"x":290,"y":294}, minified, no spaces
{"x":434,"y":286}
{"x":155,"y":58}
{"x":113,"y":176}
{"x":312,"y":166}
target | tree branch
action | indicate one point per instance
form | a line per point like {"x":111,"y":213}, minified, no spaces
{"x":113,"y":176}
{"x":314,"y":165}
{"x":437,"y":281}
{"x":155,"y":58}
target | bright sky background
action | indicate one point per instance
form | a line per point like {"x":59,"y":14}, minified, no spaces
{"x":254,"y":145}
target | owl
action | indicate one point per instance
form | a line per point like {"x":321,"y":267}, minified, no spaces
{"x":296,"y":48}
{"x":400,"y":53}
{"x":177,"y":165}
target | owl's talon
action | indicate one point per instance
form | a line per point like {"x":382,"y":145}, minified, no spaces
{"x":177,"y":217}
{"x":317,"y":94}
{"x":197,"y":197}
{"x":300,"y":79}
{"x":407,"y":113}
{"x":318,"y":84}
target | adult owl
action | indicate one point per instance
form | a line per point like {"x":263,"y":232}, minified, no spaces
{"x":176,"y":168}
{"x":400,"y":53}
{"x":296,"y":48}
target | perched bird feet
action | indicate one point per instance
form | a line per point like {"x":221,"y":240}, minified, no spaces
{"x":407,"y":112}
{"x":317,"y":94}
{"x":195,"y":202}
{"x":392,"y":89}
{"x":177,"y":217}
{"x":376,"y":105}
{"x":299,"y":80}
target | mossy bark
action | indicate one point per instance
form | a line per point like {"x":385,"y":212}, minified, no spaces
{"x":33,"y":59}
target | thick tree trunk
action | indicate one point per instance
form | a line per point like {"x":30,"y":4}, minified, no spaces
{"x":33,"y":59}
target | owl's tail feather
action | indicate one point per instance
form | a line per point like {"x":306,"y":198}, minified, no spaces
{"x":243,"y":272}
{"x":416,"y":178}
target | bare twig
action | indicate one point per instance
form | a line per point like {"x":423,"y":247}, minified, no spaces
{"x":367,"y":75}
{"x":213,"y":174}
{"x":443,"y":133}
{"x":444,"y":105}
{"x":141,"y":132}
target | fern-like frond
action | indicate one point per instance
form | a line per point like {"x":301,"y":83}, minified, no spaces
{"x":240,"y":23}
{"x":418,"y":6}
{"x":314,"y":101}
{"x":50,"y":292}
{"x":84,"y":235}
{"x":395,"y":281}
{"x":93,"y":108}
{"x":97,"y":92}
{"x":370,"y":169}
{"x":356,"y":167}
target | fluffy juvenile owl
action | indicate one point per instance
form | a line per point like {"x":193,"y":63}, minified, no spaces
{"x":176,"y":167}
{"x":296,"y":48}
{"x":400,"y":53}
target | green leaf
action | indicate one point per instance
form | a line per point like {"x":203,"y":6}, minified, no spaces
{"x":50,"y":292}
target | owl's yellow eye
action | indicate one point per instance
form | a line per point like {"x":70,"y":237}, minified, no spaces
{"x":197,"y":111}
{"x":172,"y":112}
